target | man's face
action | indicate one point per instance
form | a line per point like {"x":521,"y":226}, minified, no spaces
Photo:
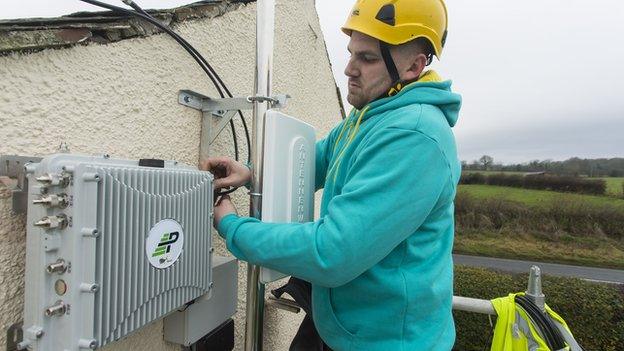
{"x":367,"y":72}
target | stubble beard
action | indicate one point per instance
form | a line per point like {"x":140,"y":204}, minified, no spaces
{"x":355,"y":100}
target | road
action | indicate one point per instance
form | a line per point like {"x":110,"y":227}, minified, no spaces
{"x":516,"y":266}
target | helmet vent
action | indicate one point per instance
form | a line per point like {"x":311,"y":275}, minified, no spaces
{"x":386,"y":14}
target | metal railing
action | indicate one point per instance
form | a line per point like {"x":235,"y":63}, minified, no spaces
{"x":460,"y":303}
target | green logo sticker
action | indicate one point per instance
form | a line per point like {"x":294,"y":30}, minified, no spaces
{"x":164,"y":243}
{"x":164,"y":246}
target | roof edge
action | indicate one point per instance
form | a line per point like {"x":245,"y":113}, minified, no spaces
{"x":36,"y":34}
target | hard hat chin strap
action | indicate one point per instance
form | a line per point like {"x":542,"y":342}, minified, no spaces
{"x":392,"y":69}
{"x":397,"y":83}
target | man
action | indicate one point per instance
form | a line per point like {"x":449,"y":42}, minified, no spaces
{"x":379,"y":257}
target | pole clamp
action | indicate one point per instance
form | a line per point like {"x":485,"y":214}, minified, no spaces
{"x":277,"y":101}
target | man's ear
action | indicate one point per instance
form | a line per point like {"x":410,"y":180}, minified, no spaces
{"x":417,"y":66}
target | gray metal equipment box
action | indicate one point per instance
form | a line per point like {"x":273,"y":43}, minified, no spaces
{"x":112,"y":245}
{"x":187,"y":326}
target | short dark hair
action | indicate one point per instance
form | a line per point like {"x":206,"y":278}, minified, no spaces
{"x":422,"y":45}
{"x":425,"y":46}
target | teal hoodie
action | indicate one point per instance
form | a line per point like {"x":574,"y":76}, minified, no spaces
{"x":379,"y":257}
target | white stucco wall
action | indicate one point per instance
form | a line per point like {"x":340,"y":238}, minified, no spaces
{"x":121,"y":99}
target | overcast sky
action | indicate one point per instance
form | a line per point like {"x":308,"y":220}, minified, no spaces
{"x":541,"y":79}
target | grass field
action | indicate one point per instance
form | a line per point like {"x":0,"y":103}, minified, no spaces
{"x":536,"y":197}
{"x":522,"y":243}
{"x":561,"y":248}
{"x":614,"y":186}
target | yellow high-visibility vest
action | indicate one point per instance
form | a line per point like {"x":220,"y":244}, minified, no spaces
{"x":515,"y":331}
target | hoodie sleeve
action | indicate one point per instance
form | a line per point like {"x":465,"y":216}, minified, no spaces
{"x":393,"y":185}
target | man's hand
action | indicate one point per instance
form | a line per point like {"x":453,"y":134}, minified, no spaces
{"x":227,"y":172}
{"x":223,"y":208}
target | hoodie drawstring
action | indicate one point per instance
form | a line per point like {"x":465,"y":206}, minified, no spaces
{"x":351,"y":135}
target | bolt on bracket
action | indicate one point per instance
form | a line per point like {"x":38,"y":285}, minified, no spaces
{"x":205,"y":103}
{"x":12,"y":168}
{"x":223,"y":110}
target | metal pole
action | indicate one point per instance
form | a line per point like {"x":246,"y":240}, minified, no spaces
{"x":265,"y":29}
{"x":534,"y":292}
{"x":534,"y":289}
{"x":473,"y":305}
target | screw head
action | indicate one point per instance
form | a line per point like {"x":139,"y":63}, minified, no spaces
{"x":63,"y":148}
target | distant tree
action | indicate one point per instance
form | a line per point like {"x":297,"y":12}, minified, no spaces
{"x":486,"y":161}
{"x":575,"y":166}
{"x":534,"y":166}
{"x":546,"y":165}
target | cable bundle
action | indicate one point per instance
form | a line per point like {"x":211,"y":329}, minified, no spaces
{"x":201,"y":61}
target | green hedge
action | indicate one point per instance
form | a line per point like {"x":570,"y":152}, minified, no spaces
{"x":564,"y":216}
{"x":594,"y":312}
{"x":557,"y":183}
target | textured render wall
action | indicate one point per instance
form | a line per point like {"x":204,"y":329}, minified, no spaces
{"x":121,"y":99}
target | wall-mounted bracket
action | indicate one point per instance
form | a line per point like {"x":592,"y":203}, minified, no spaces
{"x":13,"y":175}
{"x":14,"y":336}
{"x":223,"y":110}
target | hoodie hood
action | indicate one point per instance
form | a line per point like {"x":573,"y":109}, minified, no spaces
{"x":430,"y":89}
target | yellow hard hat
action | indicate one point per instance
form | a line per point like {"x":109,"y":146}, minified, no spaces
{"x":399,"y":21}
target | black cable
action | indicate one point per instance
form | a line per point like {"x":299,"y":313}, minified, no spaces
{"x":162,"y":27}
{"x":539,"y":322}
{"x":246,"y":137}
{"x":186,"y":305}
{"x":227,"y":192}
{"x":235,"y":140}
{"x":197,"y":55}
{"x":188,"y":46}
{"x":136,"y":7}
{"x":551,"y":333}
{"x":214,"y":77}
